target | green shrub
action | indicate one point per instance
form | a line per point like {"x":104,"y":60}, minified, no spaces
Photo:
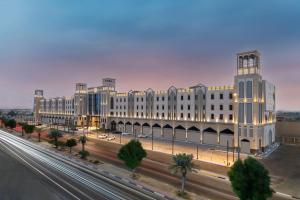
{"x":84,"y":154}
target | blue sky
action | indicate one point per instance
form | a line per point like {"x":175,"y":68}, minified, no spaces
{"x":54,"y":44}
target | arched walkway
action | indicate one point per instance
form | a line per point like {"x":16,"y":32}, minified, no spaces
{"x":245,"y":146}
{"x":194,"y":135}
{"x":210,"y":136}
{"x":128,"y":127}
{"x":168,"y":132}
{"x":146,"y":129}
{"x":180,"y":133}
{"x":137,"y":129}
{"x":156,"y":131}
{"x":113,"y":126}
{"x":226,"y":135}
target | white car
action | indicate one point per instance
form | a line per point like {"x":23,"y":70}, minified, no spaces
{"x":124,"y":133}
{"x":111,"y":138}
{"x":142,"y":136}
{"x":102,"y":136}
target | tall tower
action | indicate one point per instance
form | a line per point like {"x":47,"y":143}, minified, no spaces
{"x":38,"y":96}
{"x":249,"y":100}
{"x":80,"y":103}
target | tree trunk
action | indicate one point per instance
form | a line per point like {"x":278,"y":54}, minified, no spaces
{"x":39,"y":137}
{"x":183,"y":182}
{"x":55,"y":141}
{"x":82,"y":147}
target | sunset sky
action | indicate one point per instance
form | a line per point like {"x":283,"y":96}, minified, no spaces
{"x":52,"y":44}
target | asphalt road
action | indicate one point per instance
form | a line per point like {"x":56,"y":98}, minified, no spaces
{"x":31,"y":172}
{"x":20,"y":182}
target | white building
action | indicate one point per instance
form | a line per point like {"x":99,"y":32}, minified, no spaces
{"x":242,"y":114}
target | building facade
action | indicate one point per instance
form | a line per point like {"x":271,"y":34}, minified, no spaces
{"x":240,"y":115}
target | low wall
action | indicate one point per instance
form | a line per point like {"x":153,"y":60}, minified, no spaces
{"x":288,"y":132}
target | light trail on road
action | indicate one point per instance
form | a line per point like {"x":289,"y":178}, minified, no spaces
{"x":77,"y":180}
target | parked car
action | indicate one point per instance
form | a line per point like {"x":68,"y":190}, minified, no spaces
{"x":111,"y":138}
{"x":142,"y":136}
{"x":102,"y":136}
{"x":124,"y":133}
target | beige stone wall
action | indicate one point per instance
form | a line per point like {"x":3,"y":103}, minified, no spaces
{"x":288,"y":128}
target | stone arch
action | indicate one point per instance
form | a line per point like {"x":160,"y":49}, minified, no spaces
{"x":180,"y":133}
{"x":226,"y":135}
{"x":245,"y":146}
{"x":210,"y":136}
{"x":113,"y":125}
{"x":128,"y":127}
{"x":157,"y":130}
{"x":168,"y":132}
{"x":194,"y":134}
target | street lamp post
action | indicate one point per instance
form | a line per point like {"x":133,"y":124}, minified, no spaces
{"x":238,"y":142}
{"x":152,"y":138}
{"x":227,"y":153}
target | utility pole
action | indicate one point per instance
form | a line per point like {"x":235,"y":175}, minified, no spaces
{"x":227,"y":153}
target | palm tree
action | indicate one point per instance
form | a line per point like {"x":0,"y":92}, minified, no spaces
{"x":39,"y":131}
{"x":83,"y":140}
{"x":183,"y":164}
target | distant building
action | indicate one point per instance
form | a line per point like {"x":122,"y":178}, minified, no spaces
{"x":242,"y":115}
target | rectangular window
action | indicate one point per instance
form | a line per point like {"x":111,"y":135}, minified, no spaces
{"x":189,"y":107}
{"x":181,"y":107}
{"x":230,"y":96}
{"x":230,"y":117}
{"x":260,"y":113}
{"x":181,"y":115}
{"x":181,"y":97}
{"x":221,"y":107}
{"x":212,"y":96}
{"x":230,"y":107}
{"x":157,"y":98}
{"x":212,"y":116}
{"x":221,"y":96}
{"x":157,"y":107}
{"x":221,"y":117}
{"x":250,"y":132}
{"x":163,"y":98}
{"x":163,"y":107}
{"x":137,"y":99}
{"x":189,"y":97}
{"x":142,"y":99}
{"x":249,"y":89}
{"x":163,"y":115}
{"x":212,"y":107}
{"x":156,"y":114}
{"x":241,"y":113}
{"x":241,"y":89}
{"x":189,"y":115}
{"x":249,"y":113}
{"x":260,"y":90}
